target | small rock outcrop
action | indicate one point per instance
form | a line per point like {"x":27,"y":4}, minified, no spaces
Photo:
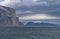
{"x":21,"y":24}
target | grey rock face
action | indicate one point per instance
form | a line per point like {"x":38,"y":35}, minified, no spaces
{"x":7,"y":16}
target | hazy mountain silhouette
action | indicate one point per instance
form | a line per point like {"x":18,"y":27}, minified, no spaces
{"x":32,"y":24}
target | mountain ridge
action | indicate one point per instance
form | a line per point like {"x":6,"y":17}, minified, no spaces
{"x":32,"y":24}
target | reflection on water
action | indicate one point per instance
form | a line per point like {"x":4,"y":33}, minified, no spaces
{"x":29,"y":33}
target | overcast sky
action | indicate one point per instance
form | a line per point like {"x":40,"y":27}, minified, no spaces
{"x":34,"y":9}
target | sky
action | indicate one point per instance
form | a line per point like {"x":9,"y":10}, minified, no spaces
{"x":34,"y":9}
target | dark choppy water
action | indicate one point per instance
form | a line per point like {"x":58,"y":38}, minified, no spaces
{"x":29,"y":33}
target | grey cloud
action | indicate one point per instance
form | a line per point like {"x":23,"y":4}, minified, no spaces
{"x":52,"y":7}
{"x":1,"y":0}
{"x":52,"y":10}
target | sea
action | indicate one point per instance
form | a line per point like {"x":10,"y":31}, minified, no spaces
{"x":29,"y":32}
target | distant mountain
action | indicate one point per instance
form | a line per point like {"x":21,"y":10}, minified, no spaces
{"x":32,"y":24}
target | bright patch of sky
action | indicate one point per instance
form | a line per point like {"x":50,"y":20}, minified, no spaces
{"x":38,"y":16}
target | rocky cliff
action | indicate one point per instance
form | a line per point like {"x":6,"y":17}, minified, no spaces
{"x":7,"y":16}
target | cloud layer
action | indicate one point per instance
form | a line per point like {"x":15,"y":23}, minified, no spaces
{"x":32,"y":7}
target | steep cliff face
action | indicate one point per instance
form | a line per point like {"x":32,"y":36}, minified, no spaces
{"x":7,"y":16}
